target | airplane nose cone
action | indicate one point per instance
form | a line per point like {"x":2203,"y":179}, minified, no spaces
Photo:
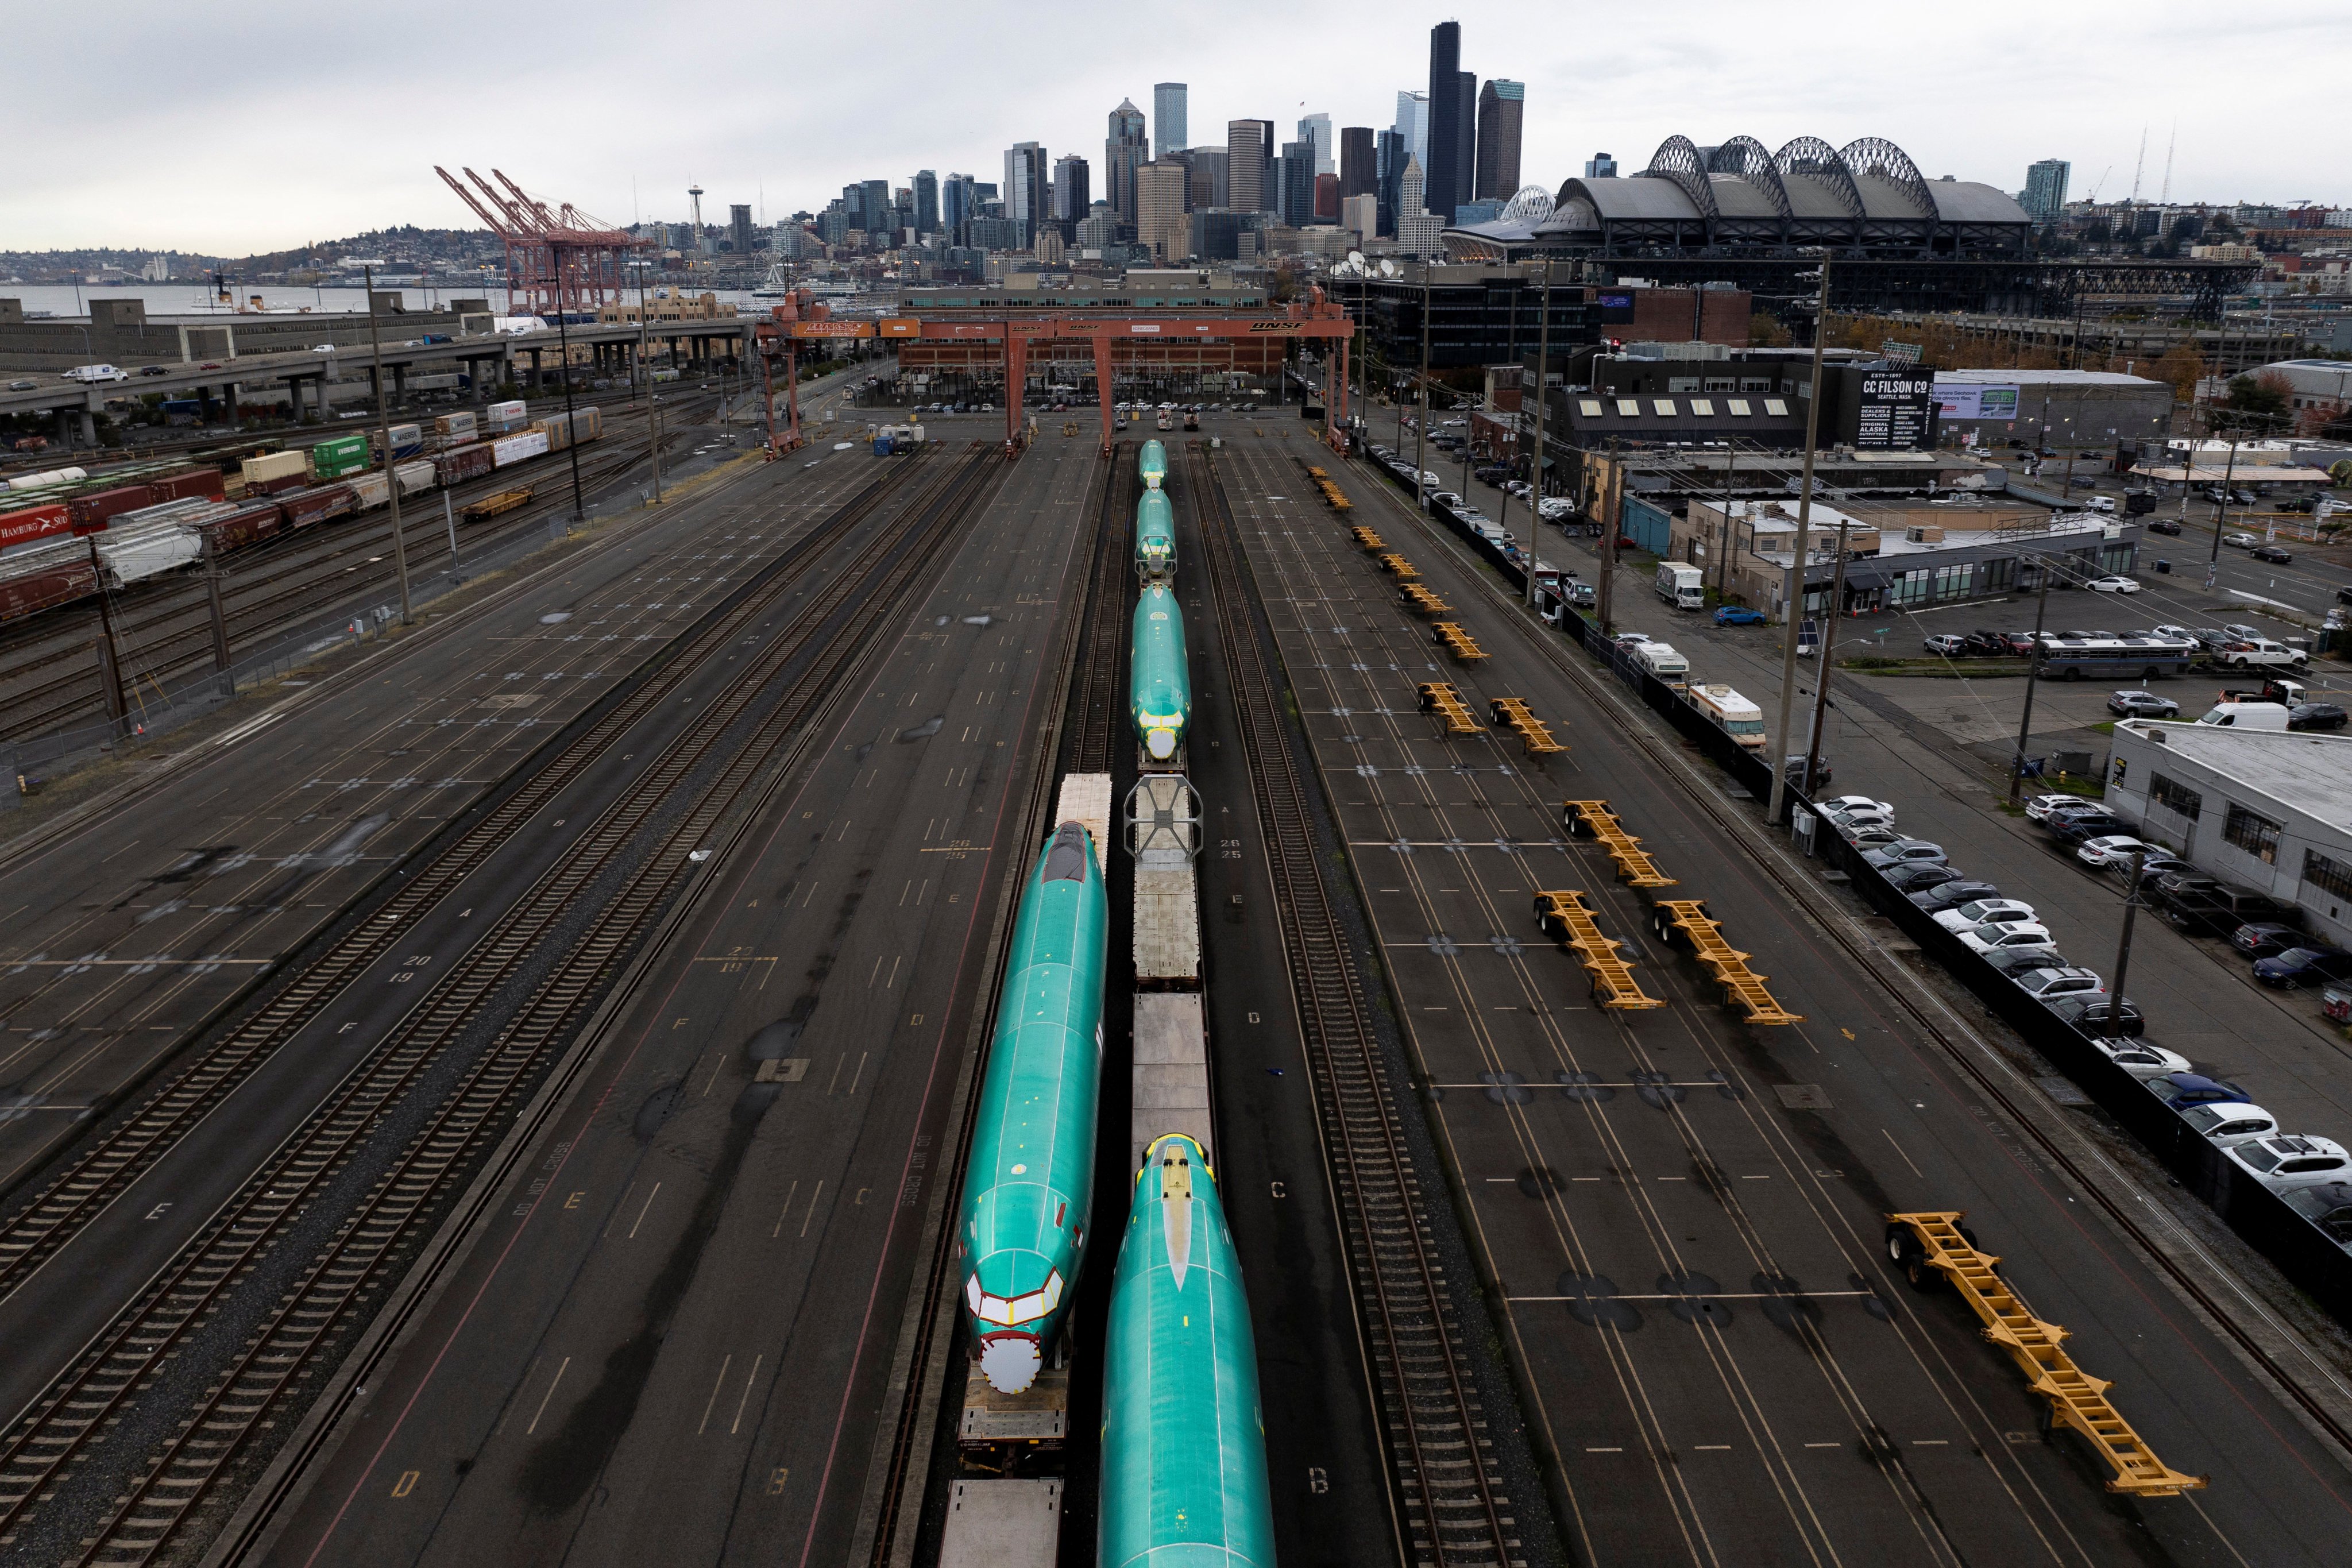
{"x":1161,"y":744}
{"x":1010,"y":1361}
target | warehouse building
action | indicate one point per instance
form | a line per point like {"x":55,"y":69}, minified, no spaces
{"x":2270,"y":811}
{"x":2061,"y":408}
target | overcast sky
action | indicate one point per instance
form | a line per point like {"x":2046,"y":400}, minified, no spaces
{"x":235,"y":126}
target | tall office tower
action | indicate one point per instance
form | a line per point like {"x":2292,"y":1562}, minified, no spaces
{"x":927,"y":201}
{"x":1501,"y":107}
{"x":739,"y":226}
{"x":1326,"y":198}
{"x":2045,"y":189}
{"x":1072,"y":194}
{"x":1600,"y":167}
{"x":1417,"y":227}
{"x":1161,"y":190}
{"x":959,"y":204}
{"x":1359,"y":166}
{"x":1390,"y":150}
{"x":903,"y":201}
{"x":1296,"y":185}
{"x":852,"y":205}
{"x":1315,"y":130}
{"x":1360,"y":216}
{"x":1447,"y":133}
{"x":1413,"y":124}
{"x":1126,"y":149}
{"x":1209,"y":182}
{"x":1026,"y":177}
{"x":1249,"y":148}
{"x":881,"y":216}
{"x":1169,"y":117}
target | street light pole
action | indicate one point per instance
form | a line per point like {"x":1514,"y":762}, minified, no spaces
{"x":1794,"y":613}
{"x":563,"y":342}
{"x":1421,"y":436}
{"x":2032,"y":674}
{"x":1536,"y":463}
{"x":384,"y":432}
{"x":646,"y":369}
{"x":1826,"y":655}
{"x":2115,"y":1020}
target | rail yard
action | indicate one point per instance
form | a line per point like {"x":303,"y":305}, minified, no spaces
{"x":1032,"y":1001}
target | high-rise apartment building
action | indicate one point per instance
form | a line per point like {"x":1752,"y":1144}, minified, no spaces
{"x":1072,"y":195}
{"x":1451,"y":140}
{"x":2044,"y":196}
{"x":1169,"y":118}
{"x":959,"y":204}
{"x":1600,"y":167}
{"x":1413,"y":124}
{"x":1390,"y":150}
{"x":1360,"y":171}
{"x":1249,"y":149}
{"x":1162,"y":223}
{"x":1316,"y":131}
{"x":739,"y":227}
{"x":1126,"y":148}
{"x":1026,"y":182}
{"x":927,"y":201}
{"x":1501,"y":106}
{"x":881,"y":213}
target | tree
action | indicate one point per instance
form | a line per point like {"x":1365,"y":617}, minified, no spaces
{"x":1764,"y":333}
{"x":2182,"y":367}
{"x":2265,"y":393}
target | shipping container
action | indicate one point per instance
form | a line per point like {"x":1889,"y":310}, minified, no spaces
{"x":415,"y":476}
{"x":244,"y":526}
{"x":370,"y":491}
{"x":272,"y":470}
{"x":509,"y":414}
{"x":183,"y":483}
{"x":338,"y":456}
{"x":92,"y":511}
{"x":462,"y":463}
{"x":34,"y":523}
{"x":509,"y":450}
{"x":50,"y":582}
{"x":454,"y":425}
{"x":407,"y":439}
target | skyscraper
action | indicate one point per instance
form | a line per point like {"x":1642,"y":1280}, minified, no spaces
{"x":881,"y":214}
{"x":1449,"y":139}
{"x":1209,"y":184}
{"x":1126,"y":149}
{"x":1294,"y":188}
{"x":1417,"y":227}
{"x":1072,"y":195}
{"x":959,"y":204}
{"x":739,"y":227}
{"x":1160,"y":205}
{"x":1600,"y":167}
{"x":1026,"y":179}
{"x":927,"y":201}
{"x":1316,"y":131}
{"x":1249,"y":148}
{"x":1390,"y":150}
{"x":1501,"y":105}
{"x":1169,"y":115}
{"x":2045,"y":189}
{"x":1360,"y":171}
{"x":1413,"y":124}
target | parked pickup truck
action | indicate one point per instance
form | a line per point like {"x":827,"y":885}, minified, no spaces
{"x":2289,"y":692}
{"x":2258,"y":653}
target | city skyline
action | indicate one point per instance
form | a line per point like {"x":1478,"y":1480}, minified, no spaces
{"x":1625,"y":95}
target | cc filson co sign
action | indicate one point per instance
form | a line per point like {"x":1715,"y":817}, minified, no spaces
{"x":1895,"y":414}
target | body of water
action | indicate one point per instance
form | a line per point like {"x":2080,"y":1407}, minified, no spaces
{"x":192,"y":296}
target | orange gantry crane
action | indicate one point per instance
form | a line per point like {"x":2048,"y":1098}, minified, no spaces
{"x":558,"y":258}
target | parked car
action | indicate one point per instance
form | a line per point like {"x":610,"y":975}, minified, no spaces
{"x":2141,"y":1060}
{"x":2019,"y":643}
{"x":1854,"y":803}
{"x":2049,"y":984}
{"x":2151,"y":866}
{"x":2042,"y":808}
{"x":1904,"y":852}
{"x":2182,"y":1090}
{"x":2000,"y":938}
{"x":2314,"y":716}
{"x":1446,"y":498}
{"x":2201,"y":907}
{"x":1871,"y":834}
{"x":2328,"y":1205}
{"x":2141,"y":705}
{"x":2098,"y":1017}
{"x":1918,"y":876}
{"x":2116,"y":849}
{"x":2113,"y":585}
{"x":2272,"y":553}
{"x":2301,"y":966}
{"x":2227,"y":1122}
{"x":2078,"y":826}
{"x":2015,"y":964}
{"x":1984,"y":911}
{"x":2264,"y":939}
{"x":1946,"y":646}
{"x":2335,"y":1004}
{"x":2285,"y":1161}
{"x":1944,"y":897}
{"x":1739,"y":615}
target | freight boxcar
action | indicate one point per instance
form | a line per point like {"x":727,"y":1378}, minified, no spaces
{"x":46,"y":574}
{"x":304,"y":508}
{"x":245,"y":525}
{"x":92,"y":511}
{"x":459,"y":464}
{"x":181,"y":484}
{"x":511,"y":449}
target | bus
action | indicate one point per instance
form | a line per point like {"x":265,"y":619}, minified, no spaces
{"x":2125,"y":658}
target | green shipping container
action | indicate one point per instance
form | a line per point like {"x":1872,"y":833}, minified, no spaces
{"x":338,"y":456}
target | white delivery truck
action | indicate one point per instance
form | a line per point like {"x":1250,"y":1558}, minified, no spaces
{"x":94,"y":373}
{"x":1661,"y":661}
{"x":1734,"y":715}
{"x":1681,"y":585}
{"x":2246,"y":715}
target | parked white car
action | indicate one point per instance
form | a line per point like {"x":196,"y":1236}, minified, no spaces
{"x":2224,"y":1125}
{"x":2285,"y":1161}
{"x":2112,"y":850}
{"x":2113,"y":585}
{"x":1985,"y":912}
{"x":1852,"y":802}
{"x":2144,"y":1061}
{"x":1998,"y":937}
{"x":2042,"y":806}
{"x":2048,"y":984}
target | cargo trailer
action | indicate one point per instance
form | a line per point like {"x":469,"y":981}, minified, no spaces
{"x":455,"y":426}
{"x":407,"y":439}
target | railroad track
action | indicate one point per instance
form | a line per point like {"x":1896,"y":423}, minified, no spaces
{"x":1448,"y":1478}
{"x":827,"y":640}
{"x":1102,"y":699}
{"x":1668,"y":763}
{"x":166,"y":636}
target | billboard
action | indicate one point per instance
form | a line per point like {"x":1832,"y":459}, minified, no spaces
{"x":833,"y":329}
{"x":1969,"y":400}
{"x":34,"y":523}
{"x":1896,"y":412}
{"x":901,"y":327}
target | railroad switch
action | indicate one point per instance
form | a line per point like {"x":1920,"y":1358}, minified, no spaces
{"x":1564,"y":917}
{"x":1926,"y":1245}
{"x":1741,"y":983}
{"x":1593,"y":819}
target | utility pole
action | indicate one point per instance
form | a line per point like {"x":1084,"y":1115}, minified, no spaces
{"x":1827,"y":657}
{"x":1793,"y":614}
{"x":1421,"y":437}
{"x":1612,"y":502}
{"x":1536,"y":463}
{"x":212,"y":594}
{"x":1727,"y":543}
{"x":563,"y":342}
{"x":2220,"y":511}
{"x":110,"y":659}
{"x":2115,"y":1020}
{"x":2032,"y":674}
{"x":449,"y":517}
{"x":646,"y":368}
{"x":383,"y":433}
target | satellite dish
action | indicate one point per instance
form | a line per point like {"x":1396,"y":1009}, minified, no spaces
{"x":1388,"y":268}
{"x":1356,"y":259}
